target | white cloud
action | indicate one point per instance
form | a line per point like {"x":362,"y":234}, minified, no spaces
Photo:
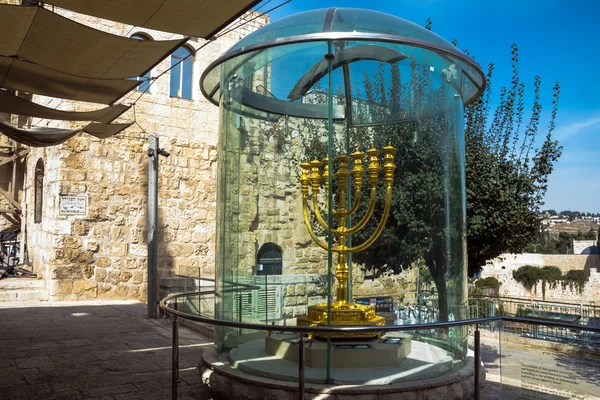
{"x":566,"y":131}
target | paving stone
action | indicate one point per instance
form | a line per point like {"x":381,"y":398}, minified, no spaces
{"x":32,"y":362}
{"x":111,"y":353}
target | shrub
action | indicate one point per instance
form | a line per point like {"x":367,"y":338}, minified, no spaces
{"x":549,"y":275}
{"x":575,"y":278}
{"x":487,"y":283}
{"x":527,"y":275}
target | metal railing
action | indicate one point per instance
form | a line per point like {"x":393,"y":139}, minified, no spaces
{"x":164,"y":304}
{"x":10,"y":253}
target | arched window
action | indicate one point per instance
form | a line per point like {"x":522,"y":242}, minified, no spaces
{"x":144,"y":86}
{"x":39,"y":191}
{"x":269,"y":260}
{"x":182,"y":63}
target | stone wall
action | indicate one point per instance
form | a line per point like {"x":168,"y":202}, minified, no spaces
{"x":103,"y":254}
{"x":401,"y":286}
{"x":503,"y":267}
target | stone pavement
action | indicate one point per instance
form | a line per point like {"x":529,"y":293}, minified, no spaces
{"x":93,"y":350}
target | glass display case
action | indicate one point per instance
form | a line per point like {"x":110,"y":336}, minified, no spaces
{"x":341,"y":149}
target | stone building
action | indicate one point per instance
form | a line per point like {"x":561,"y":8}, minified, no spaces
{"x":102,"y":253}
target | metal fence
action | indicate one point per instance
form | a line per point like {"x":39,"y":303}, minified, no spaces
{"x":169,"y":306}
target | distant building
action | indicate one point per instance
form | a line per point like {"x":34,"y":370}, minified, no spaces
{"x":585,"y":247}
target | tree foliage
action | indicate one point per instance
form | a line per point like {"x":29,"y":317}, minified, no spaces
{"x":487,"y":283}
{"x":506,"y":175}
{"x":557,"y":243}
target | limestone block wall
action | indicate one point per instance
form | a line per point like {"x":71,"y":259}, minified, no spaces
{"x":270,"y":201}
{"x":103,"y":254}
{"x":401,"y":286}
{"x":502,"y":269}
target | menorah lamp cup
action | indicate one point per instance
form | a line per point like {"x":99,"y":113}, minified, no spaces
{"x":342,"y":312}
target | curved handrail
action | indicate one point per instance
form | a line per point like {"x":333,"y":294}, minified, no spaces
{"x":332,"y":329}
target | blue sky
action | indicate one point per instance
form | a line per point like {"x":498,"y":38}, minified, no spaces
{"x":558,"y":40}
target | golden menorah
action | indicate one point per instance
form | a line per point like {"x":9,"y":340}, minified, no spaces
{"x":344,"y":312}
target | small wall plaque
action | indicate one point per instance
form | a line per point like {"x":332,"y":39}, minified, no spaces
{"x":72,"y":205}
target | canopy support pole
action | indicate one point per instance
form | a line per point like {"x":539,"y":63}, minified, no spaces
{"x":152,"y":227}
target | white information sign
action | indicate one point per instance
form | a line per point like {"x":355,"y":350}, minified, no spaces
{"x":73,"y":205}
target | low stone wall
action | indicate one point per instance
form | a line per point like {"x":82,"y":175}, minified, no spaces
{"x":503,"y":267}
{"x":231,"y":383}
{"x":565,"y":262}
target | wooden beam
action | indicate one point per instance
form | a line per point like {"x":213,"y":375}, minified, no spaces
{"x":10,"y":218}
{"x":10,"y":199}
{"x":20,"y":154}
{"x":5,"y":211}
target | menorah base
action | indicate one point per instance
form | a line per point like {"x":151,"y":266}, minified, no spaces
{"x":347,"y":314}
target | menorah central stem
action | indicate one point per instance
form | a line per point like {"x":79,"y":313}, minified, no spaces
{"x":341,"y":269}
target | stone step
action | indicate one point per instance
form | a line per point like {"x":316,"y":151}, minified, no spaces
{"x":23,"y":295}
{"x":23,"y":289}
{"x":11,"y":284}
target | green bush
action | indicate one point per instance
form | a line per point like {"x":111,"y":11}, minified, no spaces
{"x":550,"y":275}
{"x":522,"y":312}
{"x":527,"y":275}
{"x":575,"y":278}
{"x":487,"y":283}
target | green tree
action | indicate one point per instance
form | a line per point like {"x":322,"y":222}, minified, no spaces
{"x":506,"y":179}
{"x":506,"y":176}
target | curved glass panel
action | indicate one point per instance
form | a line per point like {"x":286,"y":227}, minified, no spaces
{"x":343,"y":20}
{"x":346,"y":160}
{"x":297,"y":24}
{"x":429,"y":49}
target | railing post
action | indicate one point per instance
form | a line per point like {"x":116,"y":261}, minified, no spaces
{"x":175,"y":359}
{"x":477,"y":362}
{"x":239,"y":314}
{"x":301,"y":367}
{"x":153,"y":149}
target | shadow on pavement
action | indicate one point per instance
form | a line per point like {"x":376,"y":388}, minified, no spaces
{"x":93,"y":350}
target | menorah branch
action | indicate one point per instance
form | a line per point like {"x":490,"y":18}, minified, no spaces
{"x":367,"y":217}
{"x":309,"y":226}
{"x":318,"y":212}
{"x":380,"y":226}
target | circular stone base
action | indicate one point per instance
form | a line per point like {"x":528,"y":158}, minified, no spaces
{"x":249,"y":373}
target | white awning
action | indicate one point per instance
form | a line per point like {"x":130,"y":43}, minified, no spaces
{"x":43,"y":137}
{"x":42,"y":37}
{"x":32,"y":78}
{"x":12,"y":104}
{"x":200,"y":18}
